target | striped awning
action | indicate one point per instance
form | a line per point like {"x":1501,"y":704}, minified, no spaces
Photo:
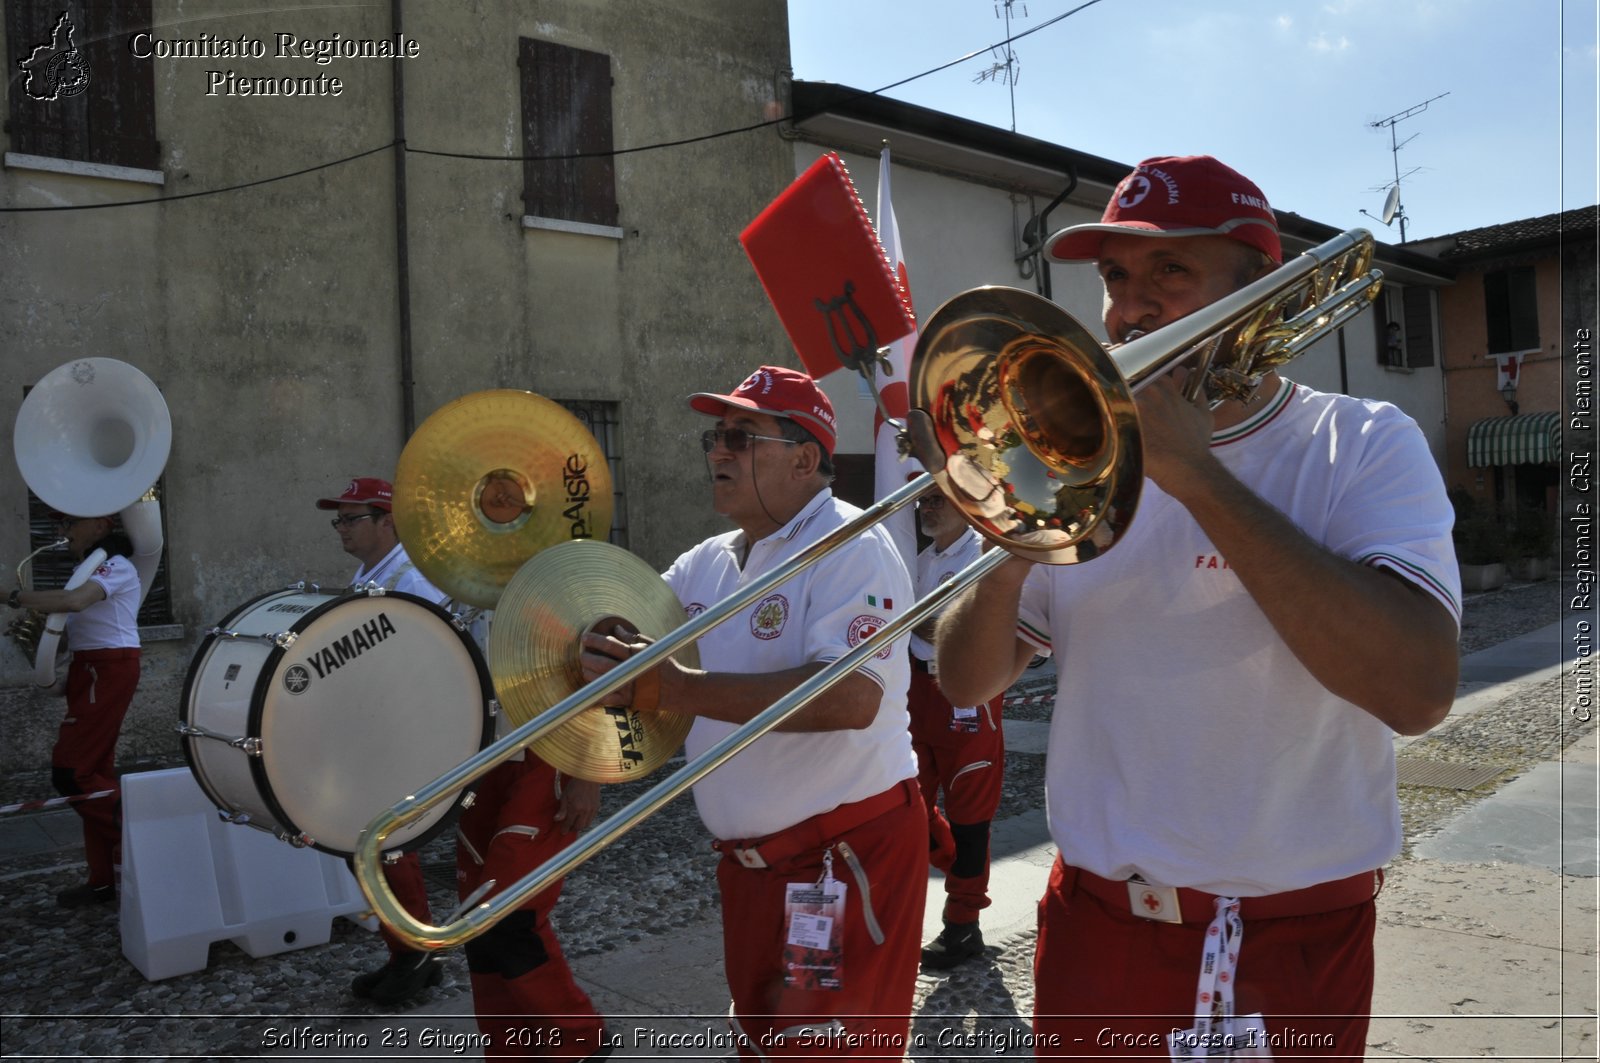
{"x":1527,"y":438}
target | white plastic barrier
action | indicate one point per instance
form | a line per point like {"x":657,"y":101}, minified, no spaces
{"x":189,"y":878}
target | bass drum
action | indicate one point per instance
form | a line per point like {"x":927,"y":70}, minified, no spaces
{"x":305,"y":713}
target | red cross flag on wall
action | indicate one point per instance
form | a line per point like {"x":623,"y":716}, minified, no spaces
{"x":1509,"y":366}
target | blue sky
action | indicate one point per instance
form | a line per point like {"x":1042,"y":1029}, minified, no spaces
{"x":1283,"y":90}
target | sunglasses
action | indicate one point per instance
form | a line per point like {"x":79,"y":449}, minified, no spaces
{"x":737,"y":440}
{"x":346,"y":522}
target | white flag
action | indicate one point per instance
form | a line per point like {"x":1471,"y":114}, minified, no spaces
{"x":889,"y":472}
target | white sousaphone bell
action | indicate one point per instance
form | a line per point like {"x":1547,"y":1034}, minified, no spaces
{"x":91,"y":439}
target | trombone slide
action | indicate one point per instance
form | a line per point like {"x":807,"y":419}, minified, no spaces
{"x":479,"y":918}
{"x":368,"y":855}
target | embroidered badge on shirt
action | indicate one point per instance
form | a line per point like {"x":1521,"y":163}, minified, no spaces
{"x":769,"y":616}
{"x":872,"y":600}
{"x":863,"y":628}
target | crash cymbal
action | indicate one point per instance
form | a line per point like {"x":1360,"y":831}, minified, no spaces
{"x":533,"y":655}
{"x":490,"y":480}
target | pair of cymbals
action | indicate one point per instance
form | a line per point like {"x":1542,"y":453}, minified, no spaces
{"x":490,"y":480}
{"x":534,"y":645}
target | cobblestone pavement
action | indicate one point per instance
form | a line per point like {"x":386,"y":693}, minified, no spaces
{"x":69,"y":993}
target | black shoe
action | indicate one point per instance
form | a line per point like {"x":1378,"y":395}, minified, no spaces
{"x":84,"y":896}
{"x":956,"y":944}
{"x":405,"y":978}
{"x":362,"y":985}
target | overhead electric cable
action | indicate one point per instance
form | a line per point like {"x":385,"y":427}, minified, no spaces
{"x":656,"y":146}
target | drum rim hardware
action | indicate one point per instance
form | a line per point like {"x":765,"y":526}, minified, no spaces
{"x":227,"y":782}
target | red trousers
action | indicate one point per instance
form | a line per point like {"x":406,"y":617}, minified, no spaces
{"x":100,"y":686}
{"x":522,"y":989}
{"x":964,"y":759}
{"x":1110,"y":985}
{"x":405,"y":878}
{"x":883,"y":864}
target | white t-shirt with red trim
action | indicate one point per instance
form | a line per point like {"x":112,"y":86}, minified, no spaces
{"x":819,"y":615}
{"x":1187,"y":744}
{"x":112,"y":623}
{"x":934,"y":566}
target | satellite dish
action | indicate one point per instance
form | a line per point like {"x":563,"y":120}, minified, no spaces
{"x":1391,"y":205}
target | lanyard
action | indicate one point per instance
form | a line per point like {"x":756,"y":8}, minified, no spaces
{"x":1219,"y":960}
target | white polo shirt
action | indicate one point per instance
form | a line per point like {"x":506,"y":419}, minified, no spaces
{"x":1188,"y":744}
{"x":819,"y":615}
{"x":935,"y":566}
{"x":395,"y":572}
{"x":113,"y":622}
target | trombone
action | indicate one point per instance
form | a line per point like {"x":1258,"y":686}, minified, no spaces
{"x":1028,"y":426}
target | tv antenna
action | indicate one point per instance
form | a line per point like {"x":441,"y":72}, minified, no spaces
{"x":1006,"y":67}
{"x":1393,"y":208}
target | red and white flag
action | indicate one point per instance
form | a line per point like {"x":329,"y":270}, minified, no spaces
{"x":1507,"y":366}
{"x":889,"y":472}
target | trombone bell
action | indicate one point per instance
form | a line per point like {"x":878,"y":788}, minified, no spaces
{"x":1026,"y":425}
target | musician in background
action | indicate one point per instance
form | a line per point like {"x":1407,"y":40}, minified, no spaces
{"x":523,"y":992}
{"x":820,"y":823}
{"x":526,"y":998}
{"x":1231,"y":673}
{"x":365,"y":523}
{"x":960,"y":751}
{"x":102,"y":631}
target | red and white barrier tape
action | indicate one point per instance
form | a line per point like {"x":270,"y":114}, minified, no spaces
{"x":51,"y":802}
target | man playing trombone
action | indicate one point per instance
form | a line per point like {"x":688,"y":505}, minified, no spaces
{"x":820,"y":823}
{"x":1221,"y":781}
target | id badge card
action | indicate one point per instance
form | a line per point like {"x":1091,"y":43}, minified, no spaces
{"x":964,"y":720}
{"x":813,"y":949}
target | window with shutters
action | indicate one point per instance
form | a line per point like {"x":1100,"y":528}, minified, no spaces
{"x":78,"y":92}
{"x":566,"y":137}
{"x":1511,"y":303}
{"x":1404,"y":321}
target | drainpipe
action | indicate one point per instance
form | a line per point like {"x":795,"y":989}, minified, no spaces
{"x":408,"y":384}
{"x":1044,"y":230}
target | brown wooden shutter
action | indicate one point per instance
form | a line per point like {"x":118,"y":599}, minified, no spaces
{"x":1511,"y":303}
{"x":1418,"y":304}
{"x":113,"y":120}
{"x":122,"y":88}
{"x":566,"y":132}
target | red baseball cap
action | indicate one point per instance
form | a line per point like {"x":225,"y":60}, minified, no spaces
{"x":782,"y":393}
{"x":1192,"y":195}
{"x":363,"y":491}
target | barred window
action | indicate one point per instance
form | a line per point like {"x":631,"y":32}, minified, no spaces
{"x":603,"y":422}
{"x":52,"y":568}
